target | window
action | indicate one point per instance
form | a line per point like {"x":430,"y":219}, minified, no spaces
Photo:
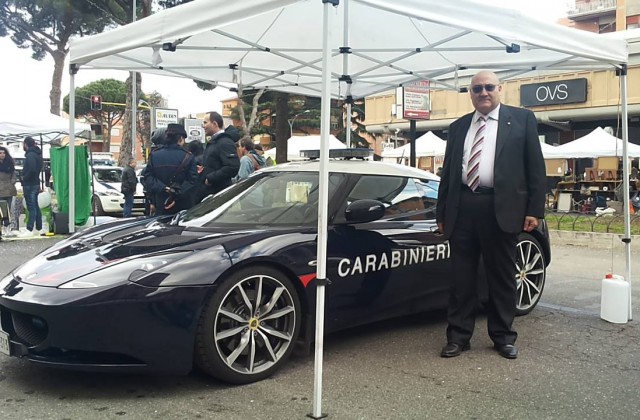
{"x":268,"y":199}
{"x":404,"y":198}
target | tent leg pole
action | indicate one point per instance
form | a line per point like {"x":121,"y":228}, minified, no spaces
{"x":72,"y":149}
{"x":625,"y":181}
{"x":323,"y":200}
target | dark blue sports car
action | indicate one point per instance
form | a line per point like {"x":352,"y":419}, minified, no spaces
{"x":228,"y":286}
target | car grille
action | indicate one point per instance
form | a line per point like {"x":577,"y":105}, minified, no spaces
{"x":30,"y":330}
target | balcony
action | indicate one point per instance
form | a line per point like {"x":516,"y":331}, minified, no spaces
{"x":593,"y":8}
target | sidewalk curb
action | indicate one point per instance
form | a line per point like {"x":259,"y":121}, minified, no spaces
{"x":591,"y":239}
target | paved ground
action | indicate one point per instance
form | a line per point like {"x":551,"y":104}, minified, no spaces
{"x":572,"y":365}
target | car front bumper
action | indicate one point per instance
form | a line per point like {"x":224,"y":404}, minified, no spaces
{"x":127,"y":327}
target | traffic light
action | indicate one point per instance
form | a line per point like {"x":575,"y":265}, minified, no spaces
{"x":96,"y":102}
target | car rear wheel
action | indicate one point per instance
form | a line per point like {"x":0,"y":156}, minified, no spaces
{"x":249,"y":326}
{"x":531,"y":273}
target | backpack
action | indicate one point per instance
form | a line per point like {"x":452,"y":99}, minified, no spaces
{"x":255,"y":163}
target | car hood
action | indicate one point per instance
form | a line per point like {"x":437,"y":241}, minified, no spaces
{"x":108,"y":247}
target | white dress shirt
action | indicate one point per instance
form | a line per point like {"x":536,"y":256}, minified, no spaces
{"x":487,"y":158}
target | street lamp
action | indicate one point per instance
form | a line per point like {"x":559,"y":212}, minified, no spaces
{"x":291,"y":121}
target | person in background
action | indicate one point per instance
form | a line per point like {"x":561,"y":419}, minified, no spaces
{"x":128,"y":187}
{"x":492,"y":188}
{"x":196,"y":149}
{"x":158,"y":139}
{"x":170,"y":172}
{"x":220,"y":157}
{"x":7,"y":188}
{"x":250,"y":160}
{"x":198,"y":191}
{"x":31,"y":186}
{"x":267,"y":161}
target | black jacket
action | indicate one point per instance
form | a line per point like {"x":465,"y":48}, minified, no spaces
{"x":129,"y":180}
{"x":519,"y":171}
{"x":220,"y":160}
{"x":32,"y":166}
{"x":164,"y":166}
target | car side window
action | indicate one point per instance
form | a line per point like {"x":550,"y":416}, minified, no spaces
{"x":404,"y":197}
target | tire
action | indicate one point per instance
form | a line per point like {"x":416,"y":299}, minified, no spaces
{"x":531,"y":273}
{"x":251,"y":344}
{"x":96,"y":207}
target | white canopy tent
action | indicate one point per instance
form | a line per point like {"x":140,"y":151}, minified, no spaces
{"x":296,"y":144}
{"x":548,"y":151}
{"x":596,"y":144}
{"x":49,"y":127}
{"x":427,"y":144}
{"x":283,"y":45}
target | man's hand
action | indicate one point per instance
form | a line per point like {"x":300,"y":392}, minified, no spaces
{"x":206,"y":182}
{"x":530,"y":223}
{"x":441,"y":227}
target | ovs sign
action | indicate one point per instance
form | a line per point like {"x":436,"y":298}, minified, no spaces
{"x":553,"y":93}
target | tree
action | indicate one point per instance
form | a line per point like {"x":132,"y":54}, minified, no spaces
{"x":114,"y":94}
{"x":282,"y":126}
{"x":154,"y":99}
{"x":46,"y":26}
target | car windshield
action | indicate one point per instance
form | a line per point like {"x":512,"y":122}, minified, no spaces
{"x":108,"y":175}
{"x":267,"y":199}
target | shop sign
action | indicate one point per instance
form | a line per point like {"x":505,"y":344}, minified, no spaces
{"x":194,"y":129}
{"x":163,"y":117}
{"x":554,"y":93}
{"x":416,"y":101}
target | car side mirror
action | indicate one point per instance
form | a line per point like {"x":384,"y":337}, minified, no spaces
{"x":363,"y":211}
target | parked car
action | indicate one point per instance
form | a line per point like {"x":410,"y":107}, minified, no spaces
{"x":107,"y":198}
{"x":228,"y":286}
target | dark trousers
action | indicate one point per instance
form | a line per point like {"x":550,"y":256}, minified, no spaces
{"x":476,"y":234}
{"x":31,"y":198}
{"x":128,"y":205}
{"x":5,"y":209}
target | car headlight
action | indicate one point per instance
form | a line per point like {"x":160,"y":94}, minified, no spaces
{"x":109,"y":192}
{"x":130,"y":270}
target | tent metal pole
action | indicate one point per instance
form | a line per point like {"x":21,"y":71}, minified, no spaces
{"x":134,"y":100}
{"x":345,"y":70}
{"x":625,"y":180}
{"x":72,"y":150}
{"x":321,"y":267}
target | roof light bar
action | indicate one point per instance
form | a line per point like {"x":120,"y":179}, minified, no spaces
{"x":353,"y":153}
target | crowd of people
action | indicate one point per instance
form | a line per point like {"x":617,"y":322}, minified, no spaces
{"x":179,"y":175}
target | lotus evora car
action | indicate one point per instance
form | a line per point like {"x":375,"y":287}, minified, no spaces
{"x":228,"y":286}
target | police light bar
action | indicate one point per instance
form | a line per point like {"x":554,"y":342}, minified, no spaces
{"x":354,"y":153}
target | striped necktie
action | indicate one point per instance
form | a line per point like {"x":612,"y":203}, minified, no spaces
{"x":473,"y":165}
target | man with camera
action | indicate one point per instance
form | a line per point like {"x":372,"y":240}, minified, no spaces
{"x":170,"y":173}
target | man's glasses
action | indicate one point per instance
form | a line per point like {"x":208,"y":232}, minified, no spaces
{"x":478,"y":88}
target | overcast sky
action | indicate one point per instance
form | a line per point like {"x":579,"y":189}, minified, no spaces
{"x":25,"y":83}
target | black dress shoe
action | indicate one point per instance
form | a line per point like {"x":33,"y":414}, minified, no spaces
{"x":454,"y":349}
{"x":508,"y":351}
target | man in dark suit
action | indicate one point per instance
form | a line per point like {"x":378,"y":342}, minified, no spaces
{"x":492,"y":188}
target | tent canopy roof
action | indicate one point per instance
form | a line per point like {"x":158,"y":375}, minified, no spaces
{"x":49,"y":126}
{"x":296,"y":144}
{"x":426,"y":145}
{"x":277,"y":44}
{"x":598,"y":143}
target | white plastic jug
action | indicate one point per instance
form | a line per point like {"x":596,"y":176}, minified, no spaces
{"x":614,"y":305}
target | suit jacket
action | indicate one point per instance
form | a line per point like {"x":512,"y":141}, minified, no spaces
{"x":519,"y":171}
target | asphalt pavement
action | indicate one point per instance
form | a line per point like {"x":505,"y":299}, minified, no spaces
{"x":572,"y":365}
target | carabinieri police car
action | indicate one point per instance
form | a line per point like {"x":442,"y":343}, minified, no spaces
{"x":228,"y":286}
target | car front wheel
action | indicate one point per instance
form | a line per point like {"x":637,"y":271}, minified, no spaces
{"x":531,"y":273}
{"x":249,"y":326}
